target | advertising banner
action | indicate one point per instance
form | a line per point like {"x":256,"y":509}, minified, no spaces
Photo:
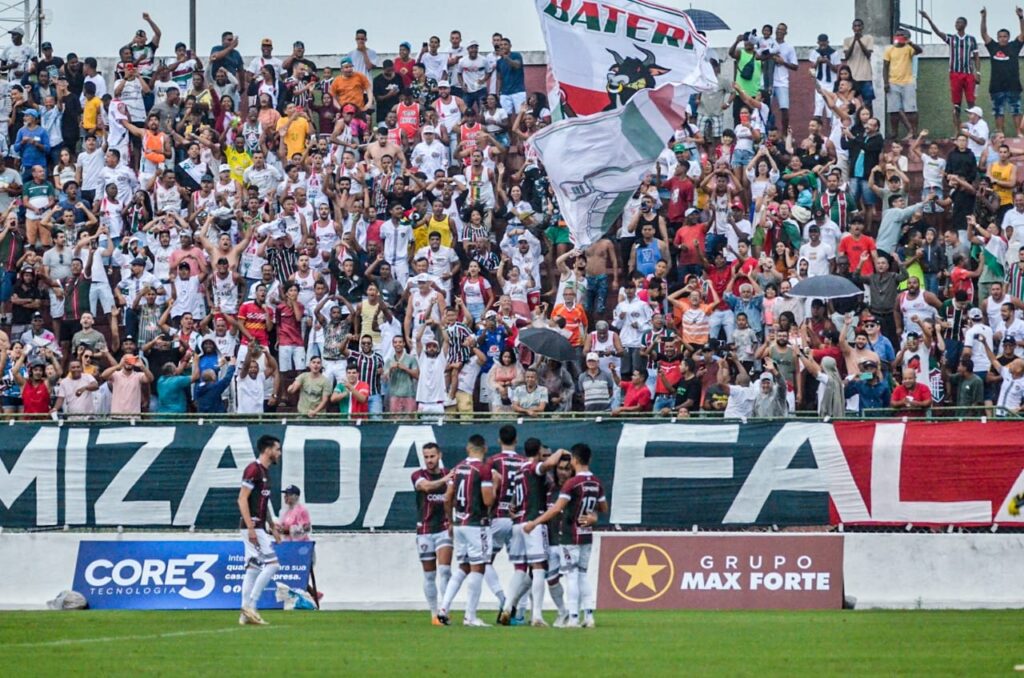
{"x":741,"y":572}
{"x":656,"y":475}
{"x":179,"y":575}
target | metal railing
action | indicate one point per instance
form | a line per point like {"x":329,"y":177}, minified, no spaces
{"x":936,"y":414}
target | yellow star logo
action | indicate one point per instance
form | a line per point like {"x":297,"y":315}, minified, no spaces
{"x":641,"y":572}
{"x":651,"y":572}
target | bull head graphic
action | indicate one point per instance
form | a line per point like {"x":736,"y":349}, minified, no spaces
{"x":629,"y":75}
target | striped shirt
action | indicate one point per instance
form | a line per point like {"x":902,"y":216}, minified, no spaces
{"x":1015,"y":280}
{"x":458,"y":352}
{"x":370,"y":365}
{"x":961,"y":52}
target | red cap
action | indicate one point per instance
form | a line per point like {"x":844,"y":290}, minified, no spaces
{"x":348,"y":108}
{"x":738,"y":204}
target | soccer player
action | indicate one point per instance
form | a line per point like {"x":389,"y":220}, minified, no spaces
{"x":506,"y":464}
{"x":561,"y":475}
{"x":257,"y":527}
{"x":468,"y":500}
{"x":432,"y":537}
{"x":530,"y":502}
{"x":579,"y":502}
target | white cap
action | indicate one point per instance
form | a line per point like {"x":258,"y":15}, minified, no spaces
{"x":224,"y":167}
{"x":976,"y":110}
{"x":444,"y":83}
{"x":429,"y":129}
{"x":592,"y":356}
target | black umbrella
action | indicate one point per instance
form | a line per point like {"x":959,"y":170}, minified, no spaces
{"x":825,"y":287}
{"x":706,"y":21}
{"x":547,"y":343}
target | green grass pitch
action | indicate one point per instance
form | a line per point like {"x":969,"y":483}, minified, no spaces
{"x":641,"y":644}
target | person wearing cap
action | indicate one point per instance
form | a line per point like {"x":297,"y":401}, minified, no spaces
{"x":432,"y":357}
{"x":37,"y":337}
{"x":964,"y":63}
{"x":16,"y":57}
{"x":820,"y":256}
{"x":915,"y":352}
{"x":266,"y":58}
{"x":595,"y":385}
{"x":449,"y":110}
{"x":32,"y":144}
{"x":866,"y":389}
{"x":350,"y":87}
{"x":430,"y":155}
{"x":473,"y":72}
{"x":35,"y":389}
{"x":977,"y":337}
{"x":859,"y":351}
{"x":294,"y":523}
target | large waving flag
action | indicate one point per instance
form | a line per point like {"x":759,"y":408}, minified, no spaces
{"x":595,"y":163}
{"x":625,"y":70}
{"x":603,"y":52}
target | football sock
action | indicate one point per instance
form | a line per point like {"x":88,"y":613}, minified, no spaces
{"x":586,"y":600}
{"x":494,"y":584}
{"x":248,"y":582}
{"x":454,"y":584}
{"x":538,"y":596}
{"x":558,"y":595}
{"x":430,"y":590}
{"x":266,"y":574}
{"x":444,"y":573}
{"x":522,"y":597}
{"x":474,"y":583}
{"x":515,"y":587}
{"x":572,"y":590}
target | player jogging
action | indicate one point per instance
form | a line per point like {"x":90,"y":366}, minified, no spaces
{"x":506,"y":465}
{"x":529,"y":502}
{"x":579,"y":502}
{"x":433,"y":540}
{"x":468,"y":498}
{"x":257,"y":527}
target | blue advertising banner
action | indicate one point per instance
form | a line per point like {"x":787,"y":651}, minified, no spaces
{"x":179,"y":575}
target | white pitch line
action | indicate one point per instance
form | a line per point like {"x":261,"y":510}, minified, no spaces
{"x":114,"y":639}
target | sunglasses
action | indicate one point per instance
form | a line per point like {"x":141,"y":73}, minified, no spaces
{"x":870,"y":324}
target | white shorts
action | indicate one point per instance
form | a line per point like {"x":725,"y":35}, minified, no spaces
{"x":430,"y":408}
{"x":429,"y":544}
{"x":536,"y":544}
{"x":517,"y":545}
{"x":472,"y":544}
{"x":575,"y":557}
{"x":501,"y":533}
{"x":335,"y":370}
{"x":291,"y":358}
{"x":554,"y":562}
{"x":261,"y":554}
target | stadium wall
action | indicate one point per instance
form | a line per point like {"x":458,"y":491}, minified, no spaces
{"x":380,"y":571}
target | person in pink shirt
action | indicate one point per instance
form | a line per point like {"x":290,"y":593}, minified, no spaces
{"x":294,"y":523}
{"x":126,"y":380}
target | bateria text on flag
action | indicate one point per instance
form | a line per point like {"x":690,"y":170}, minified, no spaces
{"x":603,"y":52}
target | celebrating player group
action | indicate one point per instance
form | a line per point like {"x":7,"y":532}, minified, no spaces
{"x":540,"y":508}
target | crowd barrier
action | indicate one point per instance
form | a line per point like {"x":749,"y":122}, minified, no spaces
{"x":356,"y":476}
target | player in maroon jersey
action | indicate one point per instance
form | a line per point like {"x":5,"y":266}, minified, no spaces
{"x":257,"y":526}
{"x":433,"y":541}
{"x":529,"y":502}
{"x":505,"y":533}
{"x":579,"y":502}
{"x":468,"y":499}
{"x":561,"y":475}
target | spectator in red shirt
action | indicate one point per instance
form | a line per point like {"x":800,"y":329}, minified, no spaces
{"x":255,"y":321}
{"x":680,"y":192}
{"x":719,"y":274}
{"x":910,"y":397}
{"x":669,"y":374}
{"x":35,"y":393}
{"x":854,"y":244}
{"x":637,"y":397}
{"x":689,"y":241}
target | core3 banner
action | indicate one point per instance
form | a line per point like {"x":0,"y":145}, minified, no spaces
{"x":179,"y":575}
{"x":657,"y":475}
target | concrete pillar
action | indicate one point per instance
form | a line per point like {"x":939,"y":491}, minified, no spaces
{"x":879,"y":20}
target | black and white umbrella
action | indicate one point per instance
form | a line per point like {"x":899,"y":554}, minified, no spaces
{"x":825,"y":287}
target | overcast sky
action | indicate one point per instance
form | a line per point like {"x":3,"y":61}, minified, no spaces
{"x":99,"y":27}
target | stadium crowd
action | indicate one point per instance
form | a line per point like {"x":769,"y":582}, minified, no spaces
{"x":194,"y":233}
